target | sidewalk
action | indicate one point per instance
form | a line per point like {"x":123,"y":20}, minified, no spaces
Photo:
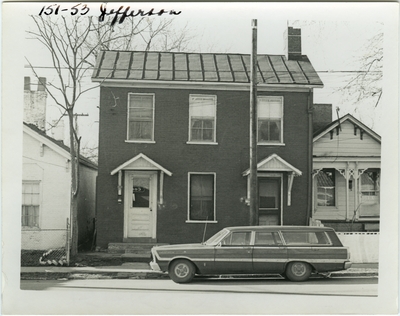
{"x":142,"y":270}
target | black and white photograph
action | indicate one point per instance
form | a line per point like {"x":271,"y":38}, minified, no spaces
{"x":196,"y":158}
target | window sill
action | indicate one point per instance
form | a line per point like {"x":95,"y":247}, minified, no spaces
{"x":140,"y":141}
{"x":30,"y":228}
{"x":201,"y":143}
{"x":271,"y":144}
{"x":200,"y":222}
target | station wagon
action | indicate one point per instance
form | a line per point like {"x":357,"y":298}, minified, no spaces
{"x":294,"y":252}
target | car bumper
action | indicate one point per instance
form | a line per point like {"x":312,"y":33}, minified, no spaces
{"x":347,"y":265}
{"x":154,"y":266}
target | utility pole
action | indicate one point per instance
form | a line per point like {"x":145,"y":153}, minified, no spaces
{"x":253,"y":129}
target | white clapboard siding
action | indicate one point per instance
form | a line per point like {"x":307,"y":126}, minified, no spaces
{"x":346,"y":143}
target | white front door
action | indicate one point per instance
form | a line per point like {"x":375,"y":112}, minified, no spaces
{"x":140,"y":204}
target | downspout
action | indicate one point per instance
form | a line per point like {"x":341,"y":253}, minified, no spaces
{"x":310,"y":155}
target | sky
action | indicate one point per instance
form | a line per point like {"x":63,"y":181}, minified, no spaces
{"x":332,"y":40}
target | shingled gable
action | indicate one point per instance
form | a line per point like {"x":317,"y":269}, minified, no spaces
{"x":205,"y":68}
{"x":55,"y":145}
{"x":348,"y":117}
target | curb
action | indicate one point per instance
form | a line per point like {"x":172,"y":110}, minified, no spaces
{"x":151,"y":275}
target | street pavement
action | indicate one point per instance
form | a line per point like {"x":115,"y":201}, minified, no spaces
{"x":142,"y":270}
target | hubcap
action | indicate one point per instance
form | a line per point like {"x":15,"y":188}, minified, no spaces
{"x":299,"y":269}
{"x":181,"y":270}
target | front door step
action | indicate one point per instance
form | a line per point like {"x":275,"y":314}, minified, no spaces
{"x":132,"y":250}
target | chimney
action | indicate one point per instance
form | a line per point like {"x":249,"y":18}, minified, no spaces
{"x":57,"y":132}
{"x":27,"y":83}
{"x":292,"y":43}
{"x":322,"y":116}
{"x":35,"y":104}
{"x":41,"y":84}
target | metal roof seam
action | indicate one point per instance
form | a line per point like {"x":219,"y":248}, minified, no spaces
{"x":244,"y":66}
{"x":289,"y":72}
{"x":304,"y":73}
{"x":230,"y":67}
{"x":273,"y":69}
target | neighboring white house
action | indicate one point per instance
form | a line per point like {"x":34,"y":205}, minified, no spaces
{"x":346,"y":184}
{"x":46,"y":192}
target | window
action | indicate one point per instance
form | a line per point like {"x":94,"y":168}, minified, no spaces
{"x":370,"y":188}
{"x":30,"y":204}
{"x":202,"y":114}
{"x":141,"y":117}
{"x":201,"y":197}
{"x":267,"y":239}
{"x":237,"y":239}
{"x":305,"y":238}
{"x":270,"y":119}
{"x":326,"y":187}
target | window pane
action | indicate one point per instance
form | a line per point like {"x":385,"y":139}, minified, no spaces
{"x":268,"y":191}
{"x":269,"y":130}
{"x":326,"y":187}
{"x":140,"y":192}
{"x":140,"y":130}
{"x":202,"y":106}
{"x":269,"y":108}
{"x":202,"y":197}
{"x":30,"y":204}
{"x":308,"y":238}
{"x":202,"y":129}
{"x":267,"y":239}
{"x":237,"y":239}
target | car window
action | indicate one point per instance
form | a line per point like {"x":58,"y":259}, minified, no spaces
{"x":267,"y":239}
{"x":305,"y":238}
{"x":237,"y":239}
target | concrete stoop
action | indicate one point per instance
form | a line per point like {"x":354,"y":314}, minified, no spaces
{"x":132,"y":250}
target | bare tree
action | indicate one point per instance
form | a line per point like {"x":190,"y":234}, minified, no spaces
{"x":367,"y":82}
{"x":73,"y":44}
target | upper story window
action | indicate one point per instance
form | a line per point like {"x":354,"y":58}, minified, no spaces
{"x":140,"y":117}
{"x":202,"y":118}
{"x":270,"y":119}
{"x":326,"y":187}
{"x":30,"y":203}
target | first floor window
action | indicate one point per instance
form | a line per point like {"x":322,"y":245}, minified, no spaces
{"x":326,"y":187}
{"x":202,"y":197}
{"x":141,"y":117}
{"x":30,"y":203}
{"x":202,"y":113}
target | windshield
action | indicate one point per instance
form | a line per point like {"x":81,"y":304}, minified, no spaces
{"x":217,"y":237}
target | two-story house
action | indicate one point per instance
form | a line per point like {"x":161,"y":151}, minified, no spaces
{"x":174,"y":140}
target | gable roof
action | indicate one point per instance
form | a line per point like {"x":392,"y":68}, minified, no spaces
{"x":55,"y":145}
{"x":348,"y":117}
{"x":274,"y":163}
{"x":203,"y":68}
{"x":140,"y":162}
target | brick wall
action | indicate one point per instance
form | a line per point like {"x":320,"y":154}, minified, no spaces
{"x":228,"y":160}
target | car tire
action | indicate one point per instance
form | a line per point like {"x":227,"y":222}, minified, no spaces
{"x":181,"y":271}
{"x":298,"y":271}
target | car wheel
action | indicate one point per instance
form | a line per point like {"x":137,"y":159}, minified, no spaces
{"x":181,"y":271}
{"x":298,"y":271}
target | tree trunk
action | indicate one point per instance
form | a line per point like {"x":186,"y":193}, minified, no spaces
{"x":74,"y":150}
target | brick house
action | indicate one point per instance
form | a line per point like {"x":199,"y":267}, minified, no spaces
{"x":174,"y":142}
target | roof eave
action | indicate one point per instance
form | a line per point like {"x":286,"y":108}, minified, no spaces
{"x":200,"y":84}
